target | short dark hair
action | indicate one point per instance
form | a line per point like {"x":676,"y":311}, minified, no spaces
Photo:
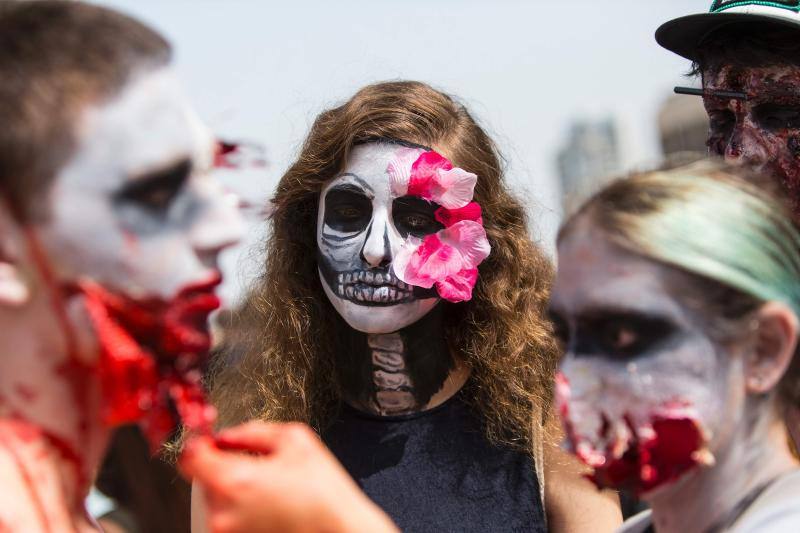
{"x":747,"y":45}
{"x":57,"y":57}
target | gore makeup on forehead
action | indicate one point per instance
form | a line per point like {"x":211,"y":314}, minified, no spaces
{"x":147,"y":127}
{"x":755,"y":81}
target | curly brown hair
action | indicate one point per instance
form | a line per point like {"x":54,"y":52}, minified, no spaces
{"x":278,"y":361}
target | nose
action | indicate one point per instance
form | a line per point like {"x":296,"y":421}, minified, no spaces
{"x":376,"y":251}
{"x":746,"y":146}
{"x":220,"y":227}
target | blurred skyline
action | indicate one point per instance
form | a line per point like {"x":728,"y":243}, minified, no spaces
{"x":262,"y":70}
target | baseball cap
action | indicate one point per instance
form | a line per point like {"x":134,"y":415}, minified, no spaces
{"x":684,"y":35}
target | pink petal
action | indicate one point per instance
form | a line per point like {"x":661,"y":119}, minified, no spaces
{"x":453,"y":188}
{"x":399,"y":169}
{"x":401,"y":261}
{"x":448,"y":217}
{"x":469,"y":239}
{"x":433,"y":261}
{"x":458,"y":288}
{"x":442,"y":256}
{"x":424,"y":174}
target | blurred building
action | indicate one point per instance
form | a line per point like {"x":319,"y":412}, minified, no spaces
{"x":588,"y":158}
{"x":682,"y":126}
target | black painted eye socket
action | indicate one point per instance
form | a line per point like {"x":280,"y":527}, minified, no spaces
{"x":156,"y":191}
{"x":622,"y":336}
{"x":721,"y":122}
{"x":776,"y":117}
{"x":347,"y":210}
{"x":415,"y":216}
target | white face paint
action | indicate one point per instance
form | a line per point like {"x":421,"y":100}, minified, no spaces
{"x":360,"y":228}
{"x":135,"y":208}
{"x":634,"y":352}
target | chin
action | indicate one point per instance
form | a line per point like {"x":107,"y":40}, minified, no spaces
{"x":380,"y":319}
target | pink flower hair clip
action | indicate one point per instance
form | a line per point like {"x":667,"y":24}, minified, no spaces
{"x":447,"y":259}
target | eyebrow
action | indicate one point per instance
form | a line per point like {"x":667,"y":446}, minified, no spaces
{"x":171,"y":174}
{"x":350,"y":188}
{"x":358,"y":180}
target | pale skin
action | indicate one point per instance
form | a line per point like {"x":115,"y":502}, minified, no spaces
{"x":143,"y":245}
{"x":746,"y":434}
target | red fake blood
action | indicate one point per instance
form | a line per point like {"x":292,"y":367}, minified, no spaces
{"x":672,"y":445}
{"x":674,"y":448}
{"x":152,"y":357}
{"x":73,"y":370}
{"x":232,"y":155}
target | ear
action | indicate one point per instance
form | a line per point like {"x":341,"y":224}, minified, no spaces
{"x":776,"y":340}
{"x":14,"y":290}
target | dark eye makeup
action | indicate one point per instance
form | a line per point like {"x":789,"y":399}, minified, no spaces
{"x":614,"y":334}
{"x":415,"y":216}
{"x":776,"y":117}
{"x":347,"y":209}
{"x":155,"y":191}
{"x":721,"y":121}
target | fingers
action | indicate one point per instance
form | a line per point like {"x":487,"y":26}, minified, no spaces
{"x":202,"y":461}
{"x":264,"y":438}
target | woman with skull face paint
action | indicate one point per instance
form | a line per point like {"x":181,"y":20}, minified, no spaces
{"x":677,"y":303}
{"x":401,"y":314}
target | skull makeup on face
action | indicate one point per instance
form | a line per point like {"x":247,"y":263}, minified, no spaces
{"x":360,"y":229}
{"x":644,"y":393}
{"x":397,"y":223}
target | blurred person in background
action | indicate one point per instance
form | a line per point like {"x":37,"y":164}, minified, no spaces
{"x":677,"y":303}
{"x":747,"y":54}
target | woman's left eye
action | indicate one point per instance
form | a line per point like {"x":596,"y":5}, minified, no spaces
{"x":417,"y":221}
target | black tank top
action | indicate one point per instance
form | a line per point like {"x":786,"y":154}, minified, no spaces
{"x":436,"y":472}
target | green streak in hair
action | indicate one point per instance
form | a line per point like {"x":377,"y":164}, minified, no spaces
{"x":716,"y":229}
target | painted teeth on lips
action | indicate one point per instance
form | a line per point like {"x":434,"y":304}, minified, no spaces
{"x":370,"y":277}
{"x":372,"y":287}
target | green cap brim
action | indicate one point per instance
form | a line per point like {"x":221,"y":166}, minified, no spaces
{"x":685,"y":34}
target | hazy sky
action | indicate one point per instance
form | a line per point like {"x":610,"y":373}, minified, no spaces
{"x":262,"y":70}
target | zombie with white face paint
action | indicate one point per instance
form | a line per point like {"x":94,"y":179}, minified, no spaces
{"x":111,"y":228}
{"x":677,"y":304}
{"x":401,"y":315}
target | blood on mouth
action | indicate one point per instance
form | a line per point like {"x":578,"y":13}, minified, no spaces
{"x":152,"y":356}
{"x":638,"y":457}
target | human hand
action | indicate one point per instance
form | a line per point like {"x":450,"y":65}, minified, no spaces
{"x":265,"y":477}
